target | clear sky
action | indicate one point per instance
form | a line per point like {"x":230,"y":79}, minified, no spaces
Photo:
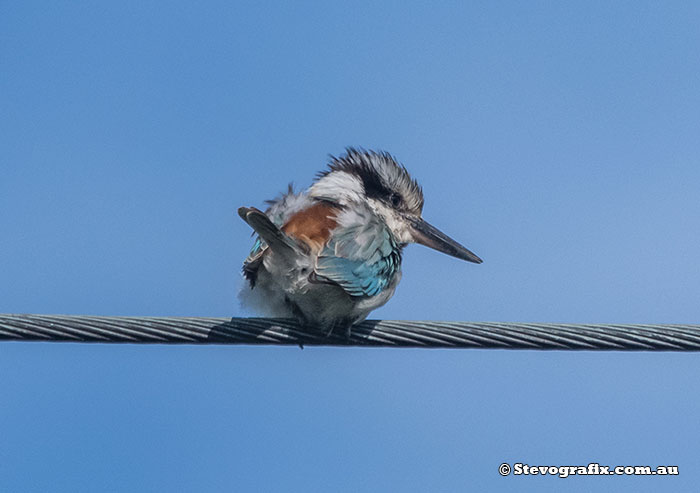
{"x":559,"y":141}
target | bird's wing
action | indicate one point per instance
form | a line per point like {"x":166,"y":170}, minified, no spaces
{"x":267,"y":231}
{"x":361,"y":255}
{"x":274,"y":217}
{"x":252,"y":262}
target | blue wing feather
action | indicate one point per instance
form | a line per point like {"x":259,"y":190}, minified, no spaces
{"x":361,"y":258}
{"x":257,"y":247}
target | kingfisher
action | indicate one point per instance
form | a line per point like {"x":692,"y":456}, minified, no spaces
{"x":330,"y":255}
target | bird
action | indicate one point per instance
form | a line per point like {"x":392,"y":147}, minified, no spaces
{"x":331,"y":254}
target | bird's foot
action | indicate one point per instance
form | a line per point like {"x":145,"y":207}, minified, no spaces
{"x":345,"y":325}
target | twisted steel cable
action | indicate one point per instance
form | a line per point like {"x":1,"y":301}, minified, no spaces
{"x":386,"y":333}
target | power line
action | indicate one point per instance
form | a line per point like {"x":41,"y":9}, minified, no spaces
{"x":385,"y":333}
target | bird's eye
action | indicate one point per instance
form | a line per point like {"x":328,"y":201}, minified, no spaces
{"x":395,"y":199}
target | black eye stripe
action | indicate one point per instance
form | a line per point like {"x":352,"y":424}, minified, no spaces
{"x":373,"y":185}
{"x":365,"y":165}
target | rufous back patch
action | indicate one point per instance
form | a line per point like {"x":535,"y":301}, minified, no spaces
{"x":313,"y":225}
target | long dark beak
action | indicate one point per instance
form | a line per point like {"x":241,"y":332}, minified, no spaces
{"x":428,"y":235}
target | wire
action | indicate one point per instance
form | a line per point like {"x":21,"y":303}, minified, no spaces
{"x":386,"y":333}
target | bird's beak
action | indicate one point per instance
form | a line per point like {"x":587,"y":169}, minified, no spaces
{"x":428,"y":235}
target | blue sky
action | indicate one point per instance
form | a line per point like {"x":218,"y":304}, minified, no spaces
{"x":557,"y":141}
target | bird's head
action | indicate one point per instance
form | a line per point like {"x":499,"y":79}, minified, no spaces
{"x":378,"y":180}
